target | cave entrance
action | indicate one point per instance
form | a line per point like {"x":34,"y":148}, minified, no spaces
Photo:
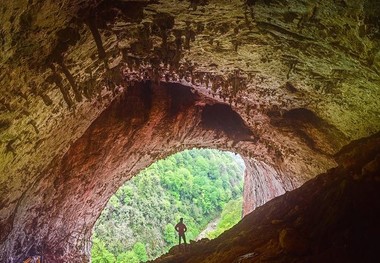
{"x":203,"y":186}
{"x":146,"y":123}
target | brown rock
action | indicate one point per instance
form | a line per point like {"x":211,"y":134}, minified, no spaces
{"x":292,"y":242}
{"x":372,"y":168}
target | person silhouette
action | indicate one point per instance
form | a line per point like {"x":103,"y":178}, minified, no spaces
{"x":181,"y":229}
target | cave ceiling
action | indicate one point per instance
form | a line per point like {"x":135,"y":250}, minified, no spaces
{"x":304,"y":76}
{"x":266,"y":57}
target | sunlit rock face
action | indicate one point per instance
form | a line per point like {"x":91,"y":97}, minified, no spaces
{"x":283,"y":83}
{"x":262,"y":183}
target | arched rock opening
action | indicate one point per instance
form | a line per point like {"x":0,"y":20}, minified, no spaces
{"x":145,"y":123}
{"x":202,"y":186}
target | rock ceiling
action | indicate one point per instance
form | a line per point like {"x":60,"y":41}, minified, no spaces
{"x":304,"y":76}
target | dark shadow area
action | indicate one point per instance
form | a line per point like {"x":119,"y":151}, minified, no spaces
{"x":221,"y":117}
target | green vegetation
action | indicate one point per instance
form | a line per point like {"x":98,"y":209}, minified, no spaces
{"x":231,"y":215}
{"x":138,"y":222}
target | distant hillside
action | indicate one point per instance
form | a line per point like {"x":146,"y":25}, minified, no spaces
{"x":138,"y":221}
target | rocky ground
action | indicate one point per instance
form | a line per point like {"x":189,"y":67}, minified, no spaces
{"x":210,"y":227}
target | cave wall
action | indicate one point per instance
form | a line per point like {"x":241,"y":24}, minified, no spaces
{"x":302,"y":77}
{"x":147,"y":122}
{"x":261,"y":184}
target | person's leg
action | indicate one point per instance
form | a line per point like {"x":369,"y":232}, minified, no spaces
{"x":184,"y":241}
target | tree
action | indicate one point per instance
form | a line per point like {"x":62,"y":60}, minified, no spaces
{"x":99,"y":252}
{"x":140,"y":251}
{"x":128,"y":257}
{"x":169,"y":234}
{"x":115,"y":201}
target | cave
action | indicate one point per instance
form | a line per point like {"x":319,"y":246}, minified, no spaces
{"x":92,"y":92}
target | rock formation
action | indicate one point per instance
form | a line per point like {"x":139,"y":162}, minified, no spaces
{"x":94,"y":91}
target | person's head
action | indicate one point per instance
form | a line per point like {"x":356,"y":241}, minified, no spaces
{"x":181,"y":220}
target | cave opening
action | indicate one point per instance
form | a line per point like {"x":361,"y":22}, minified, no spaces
{"x":150,"y":112}
{"x":143,"y":124}
{"x":202,"y":186}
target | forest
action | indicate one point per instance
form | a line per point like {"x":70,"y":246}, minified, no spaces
{"x":199,"y":185}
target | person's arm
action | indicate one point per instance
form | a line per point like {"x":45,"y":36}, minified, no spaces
{"x":185,"y":228}
{"x":176,"y":227}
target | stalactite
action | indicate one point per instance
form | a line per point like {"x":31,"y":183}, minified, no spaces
{"x":57,"y":79}
{"x":46,"y":99}
{"x":91,"y":23}
{"x":71,"y":80}
{"x":66,"y":95}
{"x":189,"y":35}
{"x":39,"y":92}
{"x":89,"y":86}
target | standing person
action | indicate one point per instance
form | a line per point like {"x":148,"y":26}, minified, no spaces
{"x":181,"y":229}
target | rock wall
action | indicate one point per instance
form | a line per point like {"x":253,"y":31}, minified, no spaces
{"x":261,"y":184}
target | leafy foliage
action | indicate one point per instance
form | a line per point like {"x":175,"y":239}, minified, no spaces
{"x":231,"y":215}
{"x":138,"y":221}
{"x":100,"y":254}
